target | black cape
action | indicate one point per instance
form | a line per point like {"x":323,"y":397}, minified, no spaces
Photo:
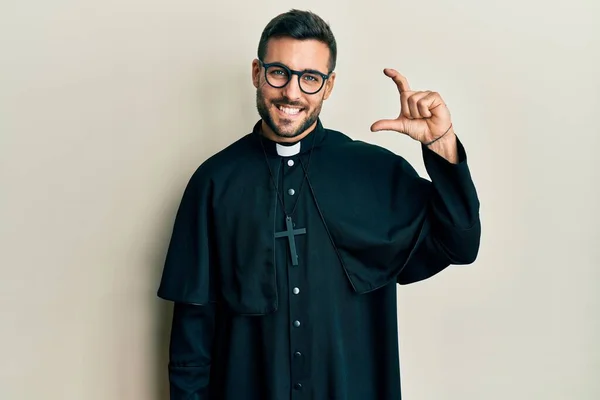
{"x":248,"y":324}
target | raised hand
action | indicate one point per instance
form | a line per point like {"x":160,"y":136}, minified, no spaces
{"x":423,"y":115}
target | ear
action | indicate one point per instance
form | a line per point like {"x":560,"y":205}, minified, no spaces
{"x":255,"y":73}
{"x":329,"y":86}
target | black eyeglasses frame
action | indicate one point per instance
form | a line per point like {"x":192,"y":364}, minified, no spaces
{"x":292,"y":72}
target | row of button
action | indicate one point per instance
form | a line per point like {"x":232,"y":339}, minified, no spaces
{"x":295,"y":291}
{"x":291,"y":192}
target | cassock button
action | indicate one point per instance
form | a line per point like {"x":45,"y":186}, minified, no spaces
{"x":291,"y":163}
{"x":291,"y":192}
{"x":297,"y":354}
{"x":296,"y":324}
{"x":298,"y":386}
{"x":296,"y":290}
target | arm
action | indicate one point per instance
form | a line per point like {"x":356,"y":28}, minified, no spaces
{"x":454,"y":213}
{"x":190,"y":351}
{"x":452,"y":229}
{"x":188,"y":280}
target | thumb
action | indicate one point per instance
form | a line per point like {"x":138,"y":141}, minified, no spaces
{"x":389,"y":125}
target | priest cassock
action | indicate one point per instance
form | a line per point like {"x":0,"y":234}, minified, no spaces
{"x":289,"y":244}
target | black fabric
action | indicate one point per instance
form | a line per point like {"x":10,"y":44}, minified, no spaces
{"x":371,"y":222}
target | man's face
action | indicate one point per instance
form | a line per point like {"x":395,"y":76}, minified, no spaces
{"x":288,"y":113}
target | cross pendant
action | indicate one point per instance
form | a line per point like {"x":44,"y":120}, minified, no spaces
{"x":291,"y":233}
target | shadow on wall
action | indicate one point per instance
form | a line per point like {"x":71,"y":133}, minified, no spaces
{"x":225,"y":110}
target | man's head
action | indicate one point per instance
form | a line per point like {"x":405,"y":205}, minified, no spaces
{"x":293,"y":43}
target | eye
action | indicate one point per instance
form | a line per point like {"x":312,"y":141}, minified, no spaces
{"x":312,"y":79}
{"x":277,"y":72}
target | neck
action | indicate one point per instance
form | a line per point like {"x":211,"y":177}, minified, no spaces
{"x":269,"y":134}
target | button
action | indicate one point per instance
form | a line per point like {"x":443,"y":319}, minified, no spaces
{"x":298,"y":386}
{"x":297,"y":354}
{"x":296,"y":290}
{"x":291,"y":192}
{"x":296,"y":324}
{"x":291,"y":163}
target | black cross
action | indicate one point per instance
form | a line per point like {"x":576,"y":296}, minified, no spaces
{"x":290,"y":232}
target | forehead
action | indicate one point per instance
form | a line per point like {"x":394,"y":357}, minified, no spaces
{"x":298,"y":54}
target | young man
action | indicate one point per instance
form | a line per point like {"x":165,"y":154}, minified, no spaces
{"x":288,"y":244}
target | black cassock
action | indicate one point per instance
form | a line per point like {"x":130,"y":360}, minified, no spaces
{"x":253,"y":322}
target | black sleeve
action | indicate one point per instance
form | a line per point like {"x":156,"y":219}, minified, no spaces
{"x":189,"y":272}
{"x":188,"y":280}
{"x":452,"y":229}
{"x":190,"y":351}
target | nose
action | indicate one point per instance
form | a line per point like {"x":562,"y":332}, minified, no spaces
{"x":292,"y":89}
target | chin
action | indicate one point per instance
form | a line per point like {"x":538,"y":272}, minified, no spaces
{"x":285,"y":127}
{"x":287,"y":131}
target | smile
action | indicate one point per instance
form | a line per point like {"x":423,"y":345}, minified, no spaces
{"x":289,"y":111}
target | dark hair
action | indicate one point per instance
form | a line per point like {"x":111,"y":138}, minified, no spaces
{"x":299,"y":25}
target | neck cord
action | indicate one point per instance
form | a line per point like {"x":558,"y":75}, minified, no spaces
{"x":303,"y":180}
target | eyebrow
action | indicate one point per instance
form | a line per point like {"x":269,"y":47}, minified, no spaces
{"x":300,"y":70}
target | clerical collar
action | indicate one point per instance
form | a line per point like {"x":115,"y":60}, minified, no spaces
{"x":288,"y":151}
{"x":302,"y":146}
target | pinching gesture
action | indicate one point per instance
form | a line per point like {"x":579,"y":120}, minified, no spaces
{"x":423,"y":114}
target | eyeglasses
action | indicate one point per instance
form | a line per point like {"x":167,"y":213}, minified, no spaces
{"x":278,"y":75}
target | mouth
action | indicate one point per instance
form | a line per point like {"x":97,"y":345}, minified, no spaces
{"x":289,"y":111}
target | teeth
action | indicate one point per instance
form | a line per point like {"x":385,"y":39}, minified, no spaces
{"x":289,"y":110}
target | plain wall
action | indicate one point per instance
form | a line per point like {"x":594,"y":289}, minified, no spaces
{"x":107,"y":107}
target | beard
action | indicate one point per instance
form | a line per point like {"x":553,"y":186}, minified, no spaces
{"x":285,"y":128}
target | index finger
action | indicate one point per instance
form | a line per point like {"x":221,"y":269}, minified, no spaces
{"x":398,"y":78}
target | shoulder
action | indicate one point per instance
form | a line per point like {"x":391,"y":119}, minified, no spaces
{"x":230,"y":156}
{"x":222,"y":163}
{"x":357,"y":154}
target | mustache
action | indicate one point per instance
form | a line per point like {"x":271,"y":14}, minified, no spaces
{"x":287,"y":102}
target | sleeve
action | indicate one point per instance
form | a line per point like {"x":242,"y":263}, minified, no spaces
{"x":390,"y":225}
{"x":190,"y":351}
{"x":189,"y":272}
{"x":188,"y":279}
{"x":451,"y":231}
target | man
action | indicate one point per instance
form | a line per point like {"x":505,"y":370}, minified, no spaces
{"x":288,"y":244}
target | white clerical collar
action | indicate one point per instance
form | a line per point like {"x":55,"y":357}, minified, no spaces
{"x":288,"y":151}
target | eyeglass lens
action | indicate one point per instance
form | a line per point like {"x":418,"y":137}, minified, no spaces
{"x":309,"y":82}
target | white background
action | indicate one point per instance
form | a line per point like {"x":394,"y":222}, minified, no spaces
{"x":107,"y":107}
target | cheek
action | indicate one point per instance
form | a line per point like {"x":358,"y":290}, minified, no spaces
{"x":267,"y":92}
{"x":314,"y":103}
{"x":263,"y":95}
